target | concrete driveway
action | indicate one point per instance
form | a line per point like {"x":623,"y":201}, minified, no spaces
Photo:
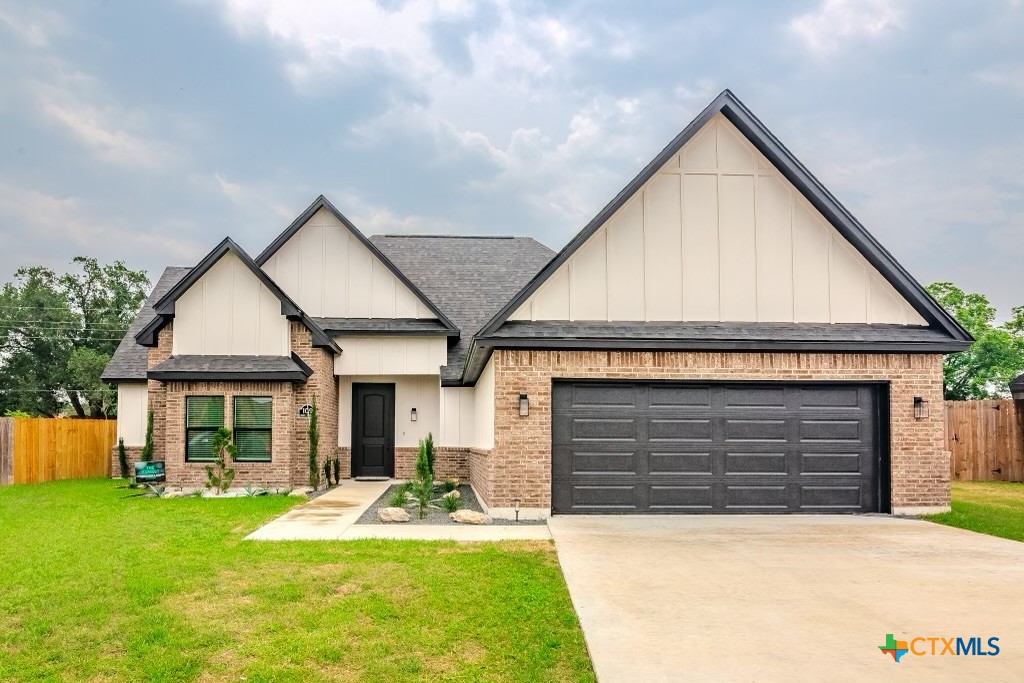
{"x":714,"y":598}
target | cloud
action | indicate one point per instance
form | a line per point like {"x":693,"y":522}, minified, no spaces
{"x":66,"y":220}
{"x":34,"y":26}
{"x":835,"y":22}
{"x":1008,"y":76}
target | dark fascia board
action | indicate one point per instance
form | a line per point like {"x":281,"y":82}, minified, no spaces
{"x":226,"y":376}
{"x":354,"y":330}
{"x":322,"y":202}
{"x":483,"y":347}
{"x":164,"y":307}
{"x":737,"y":113}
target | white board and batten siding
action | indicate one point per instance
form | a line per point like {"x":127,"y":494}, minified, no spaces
{"x":718,"y":234}
{"x":330,"y":273}
{"x":380,"y":355}
{"x":132,"y":409}
{"x":228,"y":311}
{"x":467,"y":413}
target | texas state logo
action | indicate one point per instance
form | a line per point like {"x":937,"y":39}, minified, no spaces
{"x":957,"y":646}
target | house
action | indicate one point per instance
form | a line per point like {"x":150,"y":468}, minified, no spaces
{"x":723,"y":336}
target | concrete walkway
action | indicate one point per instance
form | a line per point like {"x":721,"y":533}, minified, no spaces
{"x":326,"y":517}
{"x":333,"y":517}
{"x":785,"y":598}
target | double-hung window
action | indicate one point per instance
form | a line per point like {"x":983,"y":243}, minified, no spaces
{"x":204,"y":415}
{"x":253,"y":422}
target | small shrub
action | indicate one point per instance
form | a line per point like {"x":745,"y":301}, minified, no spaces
{"x":422,"y":495}
{"x":451,"y":503}
{"x":218,"y":475}
{"x":327,"y":474}
{"x":122,"y":459}
{"x":337,"y":471}
{"x":253,"y":492}
{"x":450,"y":484}
{"x":397,"y":499}
{"x":428,"y":445}
{"x":157,"y":491}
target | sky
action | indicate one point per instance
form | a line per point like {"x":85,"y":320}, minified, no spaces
{"x":147,"y":131}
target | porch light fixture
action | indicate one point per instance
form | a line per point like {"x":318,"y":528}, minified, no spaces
{"x":412,"y":415}
{"x":920,"y":408}
{"x":524,"y":405}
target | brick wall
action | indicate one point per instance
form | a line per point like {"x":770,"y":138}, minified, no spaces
{"x":289,"y":465}
{"x":520,"y":464}
{"x":131,"y":453}
{"x":449,"y":461}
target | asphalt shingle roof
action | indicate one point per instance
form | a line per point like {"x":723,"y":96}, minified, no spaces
{"x":468,"y":278}
{"x":231,"y":367}
{"x":130,"y":359}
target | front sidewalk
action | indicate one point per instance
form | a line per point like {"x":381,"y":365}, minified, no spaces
{"x":333,"y":517}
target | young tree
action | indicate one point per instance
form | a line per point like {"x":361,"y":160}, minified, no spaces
{"x":218,"y":475}
{"x":314,"y":447}
{"x":996,"y":356}
{"x":147,"y":449}
{"x":57,"y":333}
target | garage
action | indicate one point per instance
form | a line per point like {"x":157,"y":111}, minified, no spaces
{"x":659,"y":447}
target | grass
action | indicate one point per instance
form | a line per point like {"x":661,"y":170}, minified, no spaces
{"x":99,"y":586}
{"x":988,"y":507}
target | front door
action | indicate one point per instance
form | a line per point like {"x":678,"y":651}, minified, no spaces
{"x":373,"y":430}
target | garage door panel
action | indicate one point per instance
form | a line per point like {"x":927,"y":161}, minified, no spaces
{"x":837,"y":497}
{"x":664,"y":447}
{"x":590,"y":462}
{"x":663,"y":429}
{"x":604,"y":429}
{"x":839,"y":464}
{"x":755,"y":430}
{"x":663,"y":397}
{"x":831,"y":430}
{"x":597,"y":497}
{"x":681,"y":498}
{"x":750,"y":496}
{"x":687,"y":464}
{"x":770,"y":464}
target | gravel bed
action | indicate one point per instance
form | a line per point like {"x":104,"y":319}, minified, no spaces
{"x":435,"y":515}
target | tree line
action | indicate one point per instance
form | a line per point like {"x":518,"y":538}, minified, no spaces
{"x":58,"y":331}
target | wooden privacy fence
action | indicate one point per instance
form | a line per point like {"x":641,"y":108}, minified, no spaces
{"x":35,"y":449}
{"x":986,"y":440}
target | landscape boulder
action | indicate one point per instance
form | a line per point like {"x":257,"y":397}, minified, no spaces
{"x":392,"y":515}
{"x":469,"y":517}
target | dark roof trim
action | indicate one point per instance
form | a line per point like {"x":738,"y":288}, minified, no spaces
{"x":483,"y":346}
{"x":1017,"y":387}
{"x":809,"y":186}
{"x":384,"y":326}
{"x":322,"y":202}
{"x":164,"y":307}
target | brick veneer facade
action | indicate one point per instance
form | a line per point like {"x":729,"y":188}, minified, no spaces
{"x":289,"y":464}
{"x":519,"y":467}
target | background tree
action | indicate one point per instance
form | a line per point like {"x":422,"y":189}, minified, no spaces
{"x":996,"y":356}
{"x":57,"y":333}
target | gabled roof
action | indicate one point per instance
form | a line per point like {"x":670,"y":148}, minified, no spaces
{"x":1017,"y":387}
{"x":130,"y":359}
{"x":322,"y":202}
{"x":737,"y":113}
{"x":469,"y":278}
{"x":164,"y":307}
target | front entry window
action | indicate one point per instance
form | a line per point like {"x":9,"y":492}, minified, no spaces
{"x":204,"y":415}
{"x":254,"y":420}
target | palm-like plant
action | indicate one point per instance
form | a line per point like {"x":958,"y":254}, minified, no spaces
{"x":218,"y":475}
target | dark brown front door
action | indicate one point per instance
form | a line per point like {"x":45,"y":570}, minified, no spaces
{"x":373,"y":430}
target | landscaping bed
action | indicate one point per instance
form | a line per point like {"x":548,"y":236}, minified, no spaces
{"x":435,"y":514}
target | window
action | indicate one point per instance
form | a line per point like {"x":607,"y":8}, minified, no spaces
{"x":204,"y":415}
{"x":254,"y":419}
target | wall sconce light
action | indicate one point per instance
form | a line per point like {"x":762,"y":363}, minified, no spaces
{"x":412,"y":415}
{"x":920,"y":408}
{"x":524,"y":405}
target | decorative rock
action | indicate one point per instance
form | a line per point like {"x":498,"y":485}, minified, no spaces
{"x":299,"y":493}
{"x":389,"y":515}
{"x":469,"y":517}
{"x":452,"y":494}
{"x":453,"y":482}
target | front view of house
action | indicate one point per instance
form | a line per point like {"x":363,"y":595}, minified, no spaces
{"x":723,"y":337}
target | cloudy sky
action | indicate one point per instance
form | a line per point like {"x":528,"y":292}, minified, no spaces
{"x":146,"y":131}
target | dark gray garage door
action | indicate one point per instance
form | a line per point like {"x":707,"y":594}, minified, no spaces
{"x":662,"y":447}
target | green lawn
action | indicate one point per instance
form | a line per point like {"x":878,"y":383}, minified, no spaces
{"x":989,"y":507}
{"x":99,"y":586}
